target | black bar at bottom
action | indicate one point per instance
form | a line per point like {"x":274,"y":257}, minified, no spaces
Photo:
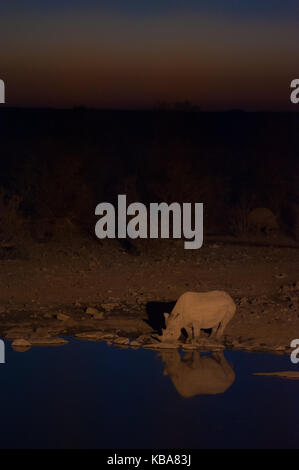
{"x":150,"y":458}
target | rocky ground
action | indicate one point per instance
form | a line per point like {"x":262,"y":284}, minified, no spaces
{"x":105,"y":291}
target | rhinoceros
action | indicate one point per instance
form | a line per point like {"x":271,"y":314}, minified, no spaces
{"x":194,"y":374}
{"x":262,"y":220}
{"x":194,"y":311}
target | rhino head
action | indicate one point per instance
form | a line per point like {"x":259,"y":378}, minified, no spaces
{"x":172,"y":331}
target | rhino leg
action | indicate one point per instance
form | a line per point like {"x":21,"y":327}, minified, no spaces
{"x":220,"y":329}
{"x":189,"y":331}
{"x":196,"y":331}
{"x":222,"y":326}
{"x":215,"y":329}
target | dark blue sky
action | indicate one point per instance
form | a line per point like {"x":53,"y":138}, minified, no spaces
{"x":230,"y":8}
{"x":217,"y":53}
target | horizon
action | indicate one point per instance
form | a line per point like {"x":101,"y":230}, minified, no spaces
{"x":115,"y":55}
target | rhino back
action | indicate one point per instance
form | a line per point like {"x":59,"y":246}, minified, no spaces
{"x":207,"y":308}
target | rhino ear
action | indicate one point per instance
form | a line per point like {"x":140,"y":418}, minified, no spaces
{"x":166,"y":315}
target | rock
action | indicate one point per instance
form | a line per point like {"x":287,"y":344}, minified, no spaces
{"x":94,"y":313}
{"x":42,"y":332}
{"x":21,"y":343}
{"x":243,"y":301}
{"x":98,"y":316}
{"x":62,"y":317}
{"x":142,"y":339}
{"x":18,"y":333}
{"x":287,"y":288}
{"x":91,"y":335}
{"x":109,"y":336}
{"x":280,"y":275}
{"x":91,"y":311}
{"x":289,"y":374}
{"x":48,"y":315}
{"x":252,"y":345}
{"x":96,"y":336}
{"x":47,"y":341}
{"x":121,"y":340}
{"x":235,"y":344}
{"x":109,"y":306}
{"x":163,"y":345}
{"x":2,"y":309}
{"x":135,"y":344}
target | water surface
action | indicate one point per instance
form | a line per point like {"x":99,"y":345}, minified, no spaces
{"x":90,"y":395}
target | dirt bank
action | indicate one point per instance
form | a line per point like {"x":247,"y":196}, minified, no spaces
{"x":46,"y":289}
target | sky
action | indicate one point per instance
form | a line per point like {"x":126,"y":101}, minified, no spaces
{"x":219,"y":54}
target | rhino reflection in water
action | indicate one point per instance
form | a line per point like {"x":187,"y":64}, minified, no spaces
{"x":194,"y":374}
